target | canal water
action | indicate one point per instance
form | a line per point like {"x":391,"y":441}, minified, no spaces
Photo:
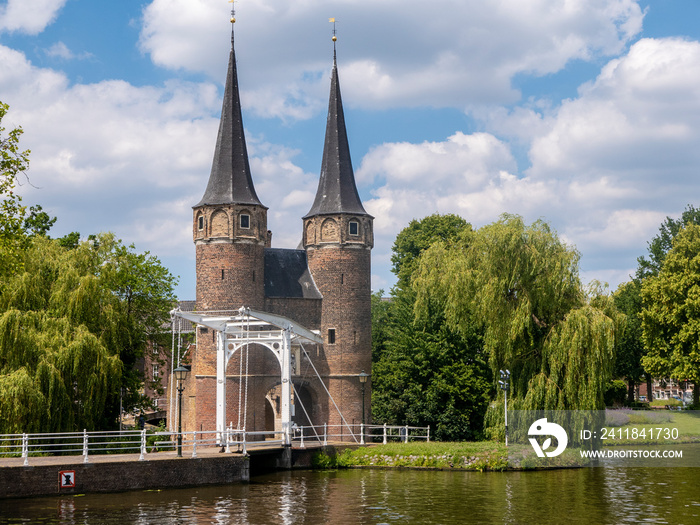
{"x":571,"y":496}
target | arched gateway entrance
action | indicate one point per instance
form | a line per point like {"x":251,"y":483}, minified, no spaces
{"x":251,"y":327}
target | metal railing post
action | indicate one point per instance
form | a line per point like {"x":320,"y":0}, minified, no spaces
{"x":362,"y":433}
{"x":194,"y":444}
{"x":25,"y":449}
{"x":142,"y":457}
{"x":384,"y":439}
{"x":406,"y":435}
{"x":85,"y":446}
{"x":244,"y":449}
{"x":227,"y":435}
{"x":325,"y":434}
{"x":302,"y":438}
{"x":428,"y":435}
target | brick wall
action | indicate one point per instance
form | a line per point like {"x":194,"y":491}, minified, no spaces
{"x":42,"y":480}
{"x":343,"y":273}
{"x":230,"y":275}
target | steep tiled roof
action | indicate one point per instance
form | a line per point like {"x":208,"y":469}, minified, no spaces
{"x":230,"y":181}
{"x":336,"y":192}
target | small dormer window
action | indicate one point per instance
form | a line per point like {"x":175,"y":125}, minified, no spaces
{"x":245,"y":220}
{"x":354,"y":228}
{"x":200,"y":222}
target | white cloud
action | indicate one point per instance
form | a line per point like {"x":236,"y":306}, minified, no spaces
{"x":463,"y":160}
{"x":639,"y":117}
{"x":469,"y":175}
{"x":463,"y":53}
{"x":114,"y":156}
{"x":607,"y":167}
{"x":60,"y":50}
{"x":29,"y":16}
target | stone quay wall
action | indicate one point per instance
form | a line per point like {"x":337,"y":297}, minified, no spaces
{"x":44,"y":478}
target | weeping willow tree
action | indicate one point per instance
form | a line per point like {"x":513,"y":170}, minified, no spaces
{"x":73,"y":324}
{"x":13,"y":163}
{"x":521,"y":284}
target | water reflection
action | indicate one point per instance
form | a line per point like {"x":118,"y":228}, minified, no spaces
{"x":591,"y":495}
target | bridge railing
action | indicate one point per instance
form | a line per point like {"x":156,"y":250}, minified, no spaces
{"x":231,"y":438}
{"x":361,"y":433}
{"x":72,"y":444}
{"x":142,"y":442}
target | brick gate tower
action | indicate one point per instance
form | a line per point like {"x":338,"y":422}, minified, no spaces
{"x":338,"y":238}
{"x":325,"y":286}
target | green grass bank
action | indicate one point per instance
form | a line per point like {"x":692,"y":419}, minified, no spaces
{"x":481,"y":456}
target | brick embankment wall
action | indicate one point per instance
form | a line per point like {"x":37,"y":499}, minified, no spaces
{"x":45,"y":480}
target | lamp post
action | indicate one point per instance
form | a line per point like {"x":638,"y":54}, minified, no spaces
{"x":503,"y":383}
{"x":180,"y":374}
{"x":363,"y":376}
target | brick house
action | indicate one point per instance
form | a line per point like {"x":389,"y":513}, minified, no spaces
{"x":323,"y":285}
{"x":157,"y":365}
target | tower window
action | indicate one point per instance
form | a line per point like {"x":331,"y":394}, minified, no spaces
{"x":200,"y":222}
{"x":354,"y":228}
{"x":331,"y":336}
{"x":222,"y":274}
{"x":245,"y":220}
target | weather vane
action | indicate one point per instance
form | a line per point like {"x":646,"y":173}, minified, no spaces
{"x":334,"y":37}
{"x":233,"y":11}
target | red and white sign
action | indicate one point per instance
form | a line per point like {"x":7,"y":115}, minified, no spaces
{"x":66,"y":479}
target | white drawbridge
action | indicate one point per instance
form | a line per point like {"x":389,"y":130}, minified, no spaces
{"x":274,"y":332}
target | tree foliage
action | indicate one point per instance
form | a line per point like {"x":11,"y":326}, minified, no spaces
{"x":662,"y":242}
{"x":671,"y":311}
{"x":628,"y":299}
{"x":417,"y":237}
{"x":74,"y":323}
{"x":630,"y":347}
{"x":431,"y":375}
{"x":13,"y":162}
{"x":521,"y":285}
{"x":424,"y":372}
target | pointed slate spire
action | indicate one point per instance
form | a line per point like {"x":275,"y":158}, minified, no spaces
{"x":336,"y":192}
{"x":230,"y":181}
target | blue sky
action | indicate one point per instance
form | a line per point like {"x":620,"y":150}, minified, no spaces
{"x":585,"y":113}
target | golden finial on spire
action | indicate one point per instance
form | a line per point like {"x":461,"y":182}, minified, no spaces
{"x":334,"y":37}
{"x":233,"y":12}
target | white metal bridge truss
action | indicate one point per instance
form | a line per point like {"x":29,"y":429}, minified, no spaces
{"x":274,"y":332}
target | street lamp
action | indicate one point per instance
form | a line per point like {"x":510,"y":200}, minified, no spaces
{"x":363,"y":376}
{"x":503,"y":383}
{"x":180,"y":374}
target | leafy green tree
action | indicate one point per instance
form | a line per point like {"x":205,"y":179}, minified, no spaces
{"x":417,"y":237}
{"x":521,"y":284}
{"x":13,"y":163}
{"x":380,"y":322}
{"x":424,"y":372}
{"x":630,"y":348}
{"x":660,"y":245}
{"x":38,"y":222}
{"x":671,"y":311}
{"x":431,"y":375}
{"x":74,"y":323}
